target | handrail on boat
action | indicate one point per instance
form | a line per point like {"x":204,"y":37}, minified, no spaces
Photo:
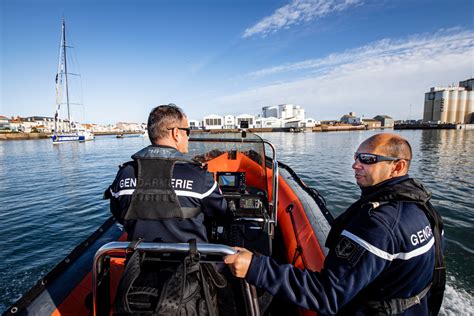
{"x":274,"y":203}
{"x":119,"y":249}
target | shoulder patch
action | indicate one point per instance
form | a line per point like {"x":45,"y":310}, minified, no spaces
{"x":345,"y":248}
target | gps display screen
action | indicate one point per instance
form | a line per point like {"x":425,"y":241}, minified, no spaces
{"x":230,"y":181}
{"x":227,"y":180}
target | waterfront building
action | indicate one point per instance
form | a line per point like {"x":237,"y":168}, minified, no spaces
{"x":87,"y":126}
{"x":213,"y":121}
{"x":129,"y":127}
{"x":195,"y":124}
{"x":268,"y":122}
{"x":15,"y":125}
{"x":350,"y":118}
{"x":245,"y":117}
{"x":309,"y":122}
{"x":28,"y":125}
{"x":454,"y":104}
{"x":270,"y":111}
{"x":42,"y":124}
{"x":109,"y":128}
{"x":229,"y":121}
{"x":36,"y":124}
{"x":371,"y":123}
{"x":274,"y":122}
{"x":385,"y":120}
{"x":284,"y":111}
{"x":4,"y":123}
{"x":291,"y":112}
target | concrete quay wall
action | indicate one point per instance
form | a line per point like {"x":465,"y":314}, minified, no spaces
{"x":23,"y":136}
{"x":336,"y":128}
{"x":434,"y":126}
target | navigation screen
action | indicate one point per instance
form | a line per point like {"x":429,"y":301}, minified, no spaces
{"x":227,"y":180}
{"x":231,"y":181}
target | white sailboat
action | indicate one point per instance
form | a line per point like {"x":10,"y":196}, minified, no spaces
{"x":70,"y":131}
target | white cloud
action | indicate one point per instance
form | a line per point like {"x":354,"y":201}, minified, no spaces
{"x":296,"y":12}
{"x":384,"y":50}
{"x":384,"y":77}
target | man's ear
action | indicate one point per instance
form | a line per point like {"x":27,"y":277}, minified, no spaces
{"x":399,"y":167}
{"x":174,"y":134}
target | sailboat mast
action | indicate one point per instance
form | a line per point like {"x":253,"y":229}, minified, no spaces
{"x":65,"y":72}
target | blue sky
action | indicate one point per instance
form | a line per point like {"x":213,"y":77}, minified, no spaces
{"x":234,"y":57}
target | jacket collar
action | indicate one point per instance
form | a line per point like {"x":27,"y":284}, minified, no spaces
{"x":158,"y":151}
{"x":392,"y":181}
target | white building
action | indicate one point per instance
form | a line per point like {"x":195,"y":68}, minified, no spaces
{"x":104,"y":128}
{"x":245,"y":117}
{"x":5,"y":123}
{"x":41,"y":124}
{"x":213,"y":121}
{"x":310,"y":122}
{"x":229,"y":122}
{"x":15,"y":125}
{"x":291,"y":112}
{"x":129,"y":127}
{"x":291,"y":115}
{"x":195,"y":124}
{"x":450,"y":104}
{"x":270,"y":111}
{"x":268,"y":122}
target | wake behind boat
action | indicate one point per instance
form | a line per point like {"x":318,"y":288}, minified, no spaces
{"x":70,"y":131}
{"x":274,"y":213}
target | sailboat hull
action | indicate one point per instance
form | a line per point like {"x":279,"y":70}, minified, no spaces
{"x":66,"y":138}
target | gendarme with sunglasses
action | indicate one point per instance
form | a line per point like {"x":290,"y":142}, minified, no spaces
{"x":161,"y":195}
{"x":385,"y":251}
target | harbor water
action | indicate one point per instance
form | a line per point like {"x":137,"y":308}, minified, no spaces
{"x":51,"y":196}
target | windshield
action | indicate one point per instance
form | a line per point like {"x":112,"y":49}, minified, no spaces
{"x":230,"y":152}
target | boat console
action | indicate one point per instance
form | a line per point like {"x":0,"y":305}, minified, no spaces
{"x":250,"y":224}
{"x":242,"y":201}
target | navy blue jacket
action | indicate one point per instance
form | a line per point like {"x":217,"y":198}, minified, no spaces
{"x":382,"y":253}
{"x":194,"y":187}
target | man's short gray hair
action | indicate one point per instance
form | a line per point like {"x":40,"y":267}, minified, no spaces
{"x":161,"y":118}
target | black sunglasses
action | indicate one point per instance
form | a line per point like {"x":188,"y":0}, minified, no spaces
{"x":187,"y":129}
{"x":369,"y":159}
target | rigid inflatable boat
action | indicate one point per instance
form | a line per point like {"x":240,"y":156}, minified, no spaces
{"x":274,"y":213}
